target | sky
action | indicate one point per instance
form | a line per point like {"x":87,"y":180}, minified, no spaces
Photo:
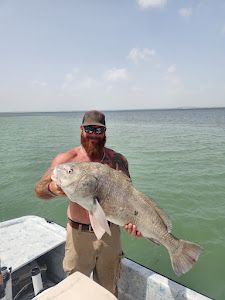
{"x":69,"y":55}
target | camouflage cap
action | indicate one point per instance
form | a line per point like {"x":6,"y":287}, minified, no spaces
{"x":93,"y":117}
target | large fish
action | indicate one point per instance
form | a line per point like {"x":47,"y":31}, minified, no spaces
{"x":108,"y":194}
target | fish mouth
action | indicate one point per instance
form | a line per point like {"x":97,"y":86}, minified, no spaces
{"x":54,"y":177}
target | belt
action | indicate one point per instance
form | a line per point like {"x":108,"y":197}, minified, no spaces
{"x":81,"y":226}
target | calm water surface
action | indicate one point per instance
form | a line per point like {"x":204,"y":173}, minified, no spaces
{"x":175,"y":156}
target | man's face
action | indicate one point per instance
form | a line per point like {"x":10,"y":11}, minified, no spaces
{"x":93,"y":139}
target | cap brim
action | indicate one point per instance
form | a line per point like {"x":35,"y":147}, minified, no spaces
{"x":93,"y":123}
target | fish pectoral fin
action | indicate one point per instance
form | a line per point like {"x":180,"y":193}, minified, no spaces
{"x":98,"y":230}
{"x":98,"y":221}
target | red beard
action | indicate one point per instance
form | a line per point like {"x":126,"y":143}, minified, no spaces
{"x":93,"y":146}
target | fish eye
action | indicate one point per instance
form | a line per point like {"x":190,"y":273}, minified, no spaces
{"x":70,"y":171}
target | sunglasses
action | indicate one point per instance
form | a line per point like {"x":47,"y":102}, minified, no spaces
{"x":91,"y":129}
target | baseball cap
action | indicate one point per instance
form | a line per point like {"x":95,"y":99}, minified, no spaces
{"x":93,"y":117}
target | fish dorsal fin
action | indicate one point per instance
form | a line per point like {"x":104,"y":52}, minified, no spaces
{"x":154,"y":241}
{"x":124,"y":175}
{"x":98,"y":221}
{"x":161,"y":213}
{"x":164,"y":217}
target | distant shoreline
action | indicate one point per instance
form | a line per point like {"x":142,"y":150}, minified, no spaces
{"x":116,"y":110}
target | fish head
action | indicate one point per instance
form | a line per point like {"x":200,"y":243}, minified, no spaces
{"x":65,"y":174}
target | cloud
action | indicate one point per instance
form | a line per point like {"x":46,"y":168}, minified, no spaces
{"x":171,"y":69}
{"x":114,"y":75}
{"x":137,"y":89}
{"x":87,"y":83}
{"x":173,"y":79}
{"x":79,"y":84}
{"x":69,"y":77}
{"x":37,"y":83}
{"x":108,"y":89}
{"x":73,"y":82}
{"x":185,"y":12}
{"x":136,"y":55}
{"x":151,"y":3}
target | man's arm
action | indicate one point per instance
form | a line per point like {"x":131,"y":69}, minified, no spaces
{"x":45,"y":188}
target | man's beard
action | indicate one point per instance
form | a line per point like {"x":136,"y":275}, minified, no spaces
{"x":93,"y":146}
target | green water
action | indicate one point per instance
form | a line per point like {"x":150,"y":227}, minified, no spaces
{"x":175,"y":156}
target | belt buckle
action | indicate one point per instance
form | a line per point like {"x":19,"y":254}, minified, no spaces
{"x":90,"y":229}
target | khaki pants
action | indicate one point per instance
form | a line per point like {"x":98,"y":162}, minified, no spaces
{"x":84,"y":253}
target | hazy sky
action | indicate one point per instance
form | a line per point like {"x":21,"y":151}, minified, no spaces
{"x":111,"y":54}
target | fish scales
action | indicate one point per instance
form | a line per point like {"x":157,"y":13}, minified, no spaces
{"x":123,"y":201}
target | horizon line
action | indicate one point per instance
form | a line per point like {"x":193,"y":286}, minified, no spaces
{"x":114,"y":110}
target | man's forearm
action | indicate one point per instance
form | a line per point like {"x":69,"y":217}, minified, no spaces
{"x":42,"y":189}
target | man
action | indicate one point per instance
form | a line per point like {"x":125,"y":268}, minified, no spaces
{"x":83,"y":252}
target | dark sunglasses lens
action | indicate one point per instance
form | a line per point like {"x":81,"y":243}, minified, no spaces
{"x":88,"y":129}
{"x":99,"y":130}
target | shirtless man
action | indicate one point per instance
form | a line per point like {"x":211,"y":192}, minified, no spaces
{"x":83,"y":252}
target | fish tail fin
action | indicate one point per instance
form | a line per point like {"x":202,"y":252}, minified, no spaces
{"x":184,"y":257}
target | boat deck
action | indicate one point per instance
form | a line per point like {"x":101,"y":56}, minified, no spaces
{"x":32,"y":241}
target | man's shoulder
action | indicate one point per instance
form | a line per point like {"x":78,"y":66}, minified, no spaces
{"x":67,"y":156}
{"x":113,"y":154}
{"x":117,"y":161}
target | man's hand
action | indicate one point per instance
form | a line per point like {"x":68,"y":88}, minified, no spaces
{"x":131,"y":229}
{"x":55,"y":189}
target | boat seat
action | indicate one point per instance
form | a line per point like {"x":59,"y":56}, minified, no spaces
{"x":76,"y":286}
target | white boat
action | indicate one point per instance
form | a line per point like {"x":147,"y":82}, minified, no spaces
{"x":33,"y":242}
